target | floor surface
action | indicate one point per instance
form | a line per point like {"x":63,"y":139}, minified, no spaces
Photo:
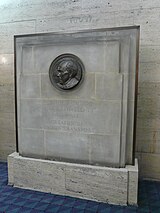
{"x":13,"y":200}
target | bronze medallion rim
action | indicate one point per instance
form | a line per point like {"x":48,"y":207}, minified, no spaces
{"x":80,"y":71}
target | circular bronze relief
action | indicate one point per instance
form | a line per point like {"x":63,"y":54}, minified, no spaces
{"x":66,"y":72}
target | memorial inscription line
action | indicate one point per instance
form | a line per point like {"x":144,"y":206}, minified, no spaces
{"x":84,"y":130}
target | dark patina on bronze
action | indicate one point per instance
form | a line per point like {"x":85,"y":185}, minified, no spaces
{"x":66,"y":72}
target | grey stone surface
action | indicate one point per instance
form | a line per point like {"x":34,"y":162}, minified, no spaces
{"x":112,"y":55}
{"x":130,"y":79}
{"x":72,"y":116}
{"x":30,"y":115}
{"x":152,"y":173}
{"x":28,"y":60}
{"x":133,"y":183}
{"x":124,"y":53}
{"x":86,"y":148}
{"x":104,"y":149}
{"x":81,"y":116}
{"x":11,"y":168}
{"x":86,"y":91}
{"x":67,"y":146}
{"x":98,"y":184}
{"x":8,"y":30}
{"x":32,"y":142}
{"x":109,"y":86}
{"x":103,"y":184}
{"x":39,"y":176}
{"x":98,"y":111}
{"x":130,"y":129}
{"x":30,"y":86}
{"x":45,"y":54}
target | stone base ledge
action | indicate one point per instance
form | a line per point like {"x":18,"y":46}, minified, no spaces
{"x":111,"y":185}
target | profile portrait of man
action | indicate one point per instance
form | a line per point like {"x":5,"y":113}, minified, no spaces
{"x":66,"y":74}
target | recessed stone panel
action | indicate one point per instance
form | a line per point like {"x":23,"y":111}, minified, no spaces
{"x":32,"y":142}
{"x":81,"y":116}
{"x":28,"y":60}
{"x":112,"y":56}
{"x":95,"y":149}
{"x":104,"y":148}
{"x":85,"y":91}
{"x":75,"y":148}
{"x":90,"y":53}
{"x":109,"y":86}
{"x":30,"y":86}
{"x":30,"y":115}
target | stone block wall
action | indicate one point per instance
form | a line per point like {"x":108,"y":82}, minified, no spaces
{"x":26,"y":17}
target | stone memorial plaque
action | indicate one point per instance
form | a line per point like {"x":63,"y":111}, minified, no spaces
{"x":76,"y":95}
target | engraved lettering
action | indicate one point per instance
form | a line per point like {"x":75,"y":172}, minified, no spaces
{"x":73,"y":129}
{"x":82,"y":19}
